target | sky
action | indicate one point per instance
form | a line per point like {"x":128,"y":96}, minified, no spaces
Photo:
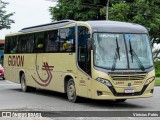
{"x":27,"y":13}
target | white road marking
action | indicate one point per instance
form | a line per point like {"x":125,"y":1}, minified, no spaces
{"x":131,"y":118}
{"x":8,"y":83}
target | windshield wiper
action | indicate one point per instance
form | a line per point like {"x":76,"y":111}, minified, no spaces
{"x":134,"y":55}
{"x":116,"y":56}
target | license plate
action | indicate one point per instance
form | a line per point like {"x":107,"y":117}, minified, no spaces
{"x":129,"y":90}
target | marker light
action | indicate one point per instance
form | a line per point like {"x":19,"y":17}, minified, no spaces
{"x":148,"y":81}
{"x":103,"y":81}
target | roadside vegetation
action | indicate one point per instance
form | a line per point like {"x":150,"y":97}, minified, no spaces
{"x":157,"y":82}
{"x":157,"y":70}
{"x":144,"y":12}
{"x":5,"y":21}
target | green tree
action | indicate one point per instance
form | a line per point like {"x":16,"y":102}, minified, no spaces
{"x":5,"y":21}
{"x":77,"y":10}
{"x":144,"y":12}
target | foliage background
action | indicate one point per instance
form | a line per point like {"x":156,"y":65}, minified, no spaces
{"x":5,"y":21}
{"x":157,"y":68}
{"x":144,"y":12}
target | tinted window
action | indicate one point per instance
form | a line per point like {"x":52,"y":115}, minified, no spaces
{"x":83,"y":35}
{"x":84,"y":57}
{"x":67,"y":39}
{"x":11,"y":45}
{"x":30,"y":44}
{"x":40,"y":38}
{"x":7,"y":45}
{"x":22,"y":44}
{"x":52,"y":43}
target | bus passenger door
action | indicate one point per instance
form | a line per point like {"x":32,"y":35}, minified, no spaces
{"x":84,"y":63}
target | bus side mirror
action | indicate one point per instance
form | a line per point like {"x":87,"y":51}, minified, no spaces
{"x":90,"y":43}
{"x":40,"y":46}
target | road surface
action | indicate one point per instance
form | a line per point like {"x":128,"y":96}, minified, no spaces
{"x":11,"y":99}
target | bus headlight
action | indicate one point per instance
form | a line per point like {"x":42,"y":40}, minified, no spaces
{"x":149,"y":80}
{"x":103,"y":81}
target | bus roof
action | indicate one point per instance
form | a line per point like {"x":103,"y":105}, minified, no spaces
{"x":47,"y":26}
{"x":116,"y":26}
{"x":97,"y":26}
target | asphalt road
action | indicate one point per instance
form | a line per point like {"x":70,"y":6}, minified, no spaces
{"x":11,"y":98}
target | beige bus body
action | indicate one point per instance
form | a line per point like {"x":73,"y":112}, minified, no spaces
{"x":53,"y":70}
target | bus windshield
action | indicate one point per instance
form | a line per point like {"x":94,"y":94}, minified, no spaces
{"x":122,"y":51}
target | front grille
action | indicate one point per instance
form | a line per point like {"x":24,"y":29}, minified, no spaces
{"x":127,"y":94}
{"x":128,"y":77}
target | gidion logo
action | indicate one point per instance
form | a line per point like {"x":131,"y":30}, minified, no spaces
{"x":16,"y":61}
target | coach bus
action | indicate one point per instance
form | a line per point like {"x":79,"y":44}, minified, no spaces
{"x":104,"y":60}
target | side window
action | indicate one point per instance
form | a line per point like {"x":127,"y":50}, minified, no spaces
{"x":83,"y":35}
{"x":52,"y":43}
{"x":39,"y":43}
{"x":13,"y":45}
{"x":67,"y":39}
{"x":22,"y":46}
{"x":7,"y":45}
{"x":84,"y":54}
{"x":30,"y":44}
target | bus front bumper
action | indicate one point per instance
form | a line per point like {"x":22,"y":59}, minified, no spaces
{"x":112,"y":93}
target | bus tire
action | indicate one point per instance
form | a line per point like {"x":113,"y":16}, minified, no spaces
{"x":121,"y":100}
{"x":24,"y":86}
{"x":71,"y":91}
{"x":3,"y":78}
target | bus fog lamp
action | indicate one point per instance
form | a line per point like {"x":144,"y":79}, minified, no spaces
{"x":103,"y":81}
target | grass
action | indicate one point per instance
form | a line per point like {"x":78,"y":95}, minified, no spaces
{"x":158,"y":73}
{"x":157,"y":82}
{"x":157,"y":70}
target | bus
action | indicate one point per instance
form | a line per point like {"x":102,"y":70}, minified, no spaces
{"x":101,"y":60}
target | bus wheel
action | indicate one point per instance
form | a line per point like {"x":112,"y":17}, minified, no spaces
{"x":24,"y":87}
{"x":3,"y":78}
{"x":120,"y":100}
{"x":71,"y":91}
